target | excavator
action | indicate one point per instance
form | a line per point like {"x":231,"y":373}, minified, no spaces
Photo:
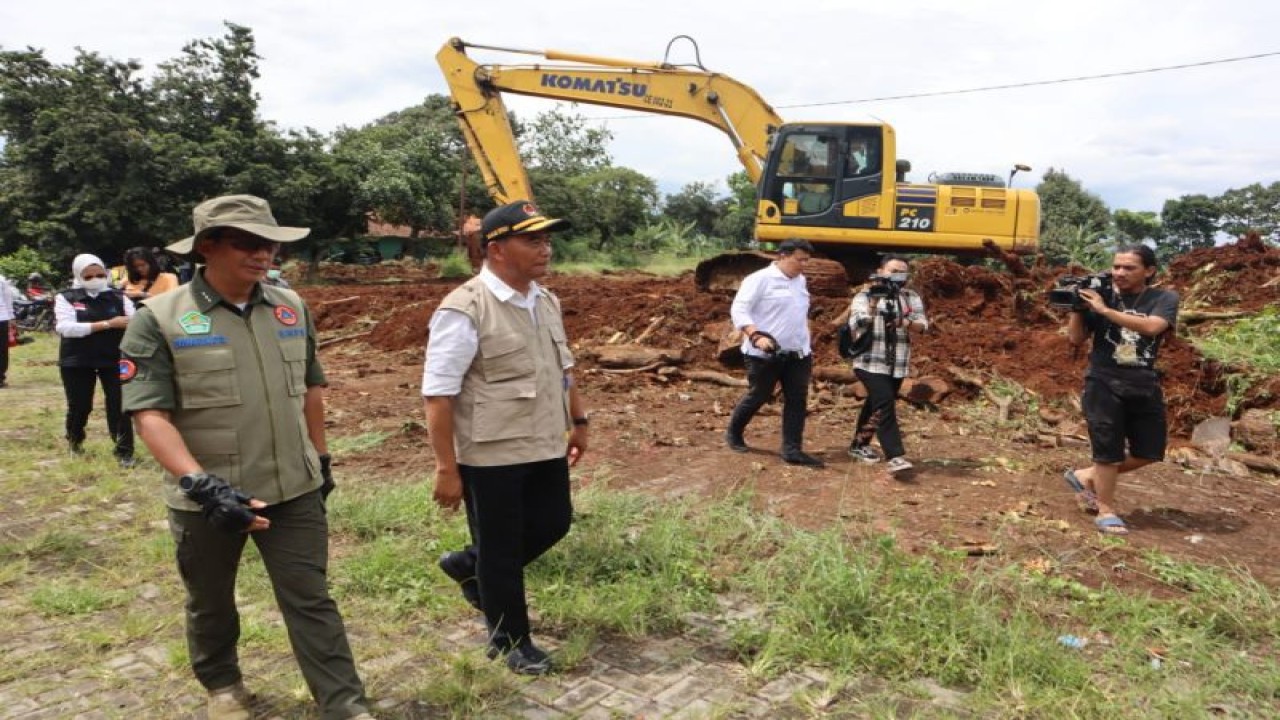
{"x":839,"y":185}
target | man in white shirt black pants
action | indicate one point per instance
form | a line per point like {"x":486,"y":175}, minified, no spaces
{"x":771,"y":309}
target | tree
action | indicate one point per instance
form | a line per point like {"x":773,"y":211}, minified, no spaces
{"x":1065,"y":203}
{"x":737,"y":221}
{"x":1190,"y":222}
{"x":696,"y":204}
{"x":560,"y":142}
{"x":97,"y":159}
{"x":1254,"y":207}
{"x":1067,"y":209}
{"x":410,"y":165}
{"x":211,"y":138}
{"x":1136,"y":227}
{"x":621,"y":201}
{"x":76,"y":157}
{"x":1085,"y":248}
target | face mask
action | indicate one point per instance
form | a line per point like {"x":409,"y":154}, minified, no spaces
{"x":273,"y":274}
{"x":95,"y":285}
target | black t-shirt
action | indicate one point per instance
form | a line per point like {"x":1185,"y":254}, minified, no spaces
{"x":1117,"y":349}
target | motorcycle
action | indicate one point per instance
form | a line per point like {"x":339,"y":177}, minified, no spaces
{"x":34,"y":315}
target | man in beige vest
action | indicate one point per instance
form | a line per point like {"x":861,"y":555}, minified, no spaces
{"x":506,"y":422}
{"x":222,"y":380}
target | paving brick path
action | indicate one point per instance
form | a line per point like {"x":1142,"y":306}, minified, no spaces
{"x":671,"y":678}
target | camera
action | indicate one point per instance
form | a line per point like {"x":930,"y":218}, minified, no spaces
{"x":886,"y":286}
{"x":1067,"y":293}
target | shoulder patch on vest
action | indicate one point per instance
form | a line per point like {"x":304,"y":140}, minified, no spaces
{"x":128,"y":369}
{"x":286,"y":315}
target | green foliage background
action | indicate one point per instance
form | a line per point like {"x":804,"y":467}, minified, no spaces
{"x":100,"y":155}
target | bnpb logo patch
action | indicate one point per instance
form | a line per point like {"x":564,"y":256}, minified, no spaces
{"x":286,"y":315}
{"x":128,"y":369}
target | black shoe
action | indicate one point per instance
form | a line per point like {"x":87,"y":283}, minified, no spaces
{"x":735,"y":442}
{"x":799,"y":458}
{"x":526,"y":659}
{"x":459,"y":567}
{"x":126,"y":461}
{"x":76,"y":447}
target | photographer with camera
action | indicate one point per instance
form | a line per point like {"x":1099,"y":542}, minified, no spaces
{"x":1122,"y":400}
{"x":887,"y":310}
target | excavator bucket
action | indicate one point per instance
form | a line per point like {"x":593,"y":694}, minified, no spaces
{"x":724,"y":273}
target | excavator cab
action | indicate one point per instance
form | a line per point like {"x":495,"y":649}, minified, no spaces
{"x":816,"y":174}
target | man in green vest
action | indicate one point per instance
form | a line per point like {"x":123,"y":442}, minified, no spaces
{"x":506,"y":422}
{"x":223,"y":383}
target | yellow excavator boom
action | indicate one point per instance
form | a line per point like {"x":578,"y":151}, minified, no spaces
{"x":692,"y":92}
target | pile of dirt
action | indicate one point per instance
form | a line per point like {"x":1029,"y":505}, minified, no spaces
{"x":1241,"y":276}
{"x":978,"y":482}
{"x":985,"y":321}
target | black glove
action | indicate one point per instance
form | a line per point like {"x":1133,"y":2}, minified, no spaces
{"x":326,"y":472}
{"x":224,"y":507}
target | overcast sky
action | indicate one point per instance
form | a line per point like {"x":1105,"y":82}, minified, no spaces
{"x":1135,"y":140}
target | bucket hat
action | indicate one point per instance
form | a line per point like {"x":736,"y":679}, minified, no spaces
{"x":246,"y":212}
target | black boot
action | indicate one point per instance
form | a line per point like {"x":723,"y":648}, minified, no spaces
{"x":737,"y":426}
{"x":734,"y":441}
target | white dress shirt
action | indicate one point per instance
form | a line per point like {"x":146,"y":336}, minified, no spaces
{"x":776,"y":304}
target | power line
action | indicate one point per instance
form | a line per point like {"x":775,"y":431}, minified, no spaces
{"x":1009,"y":86}
{"x":1034,"y":83}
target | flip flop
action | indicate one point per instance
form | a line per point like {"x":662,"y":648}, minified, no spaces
{"x":1111,"y":525}
{"x":1088,"y":501}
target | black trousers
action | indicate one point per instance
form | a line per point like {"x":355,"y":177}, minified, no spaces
{"x":78,"y":383}
{"x":295,"y":552}
{"x":4,"y":350}
{"x":879,"y":415}
{"x":763,"y":374}
{"x":516,"y":513}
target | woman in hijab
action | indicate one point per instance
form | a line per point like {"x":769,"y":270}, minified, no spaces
{"x":145,"y":276}
{"x":91,"y":318}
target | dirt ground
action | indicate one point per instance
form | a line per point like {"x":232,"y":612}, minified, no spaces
{"x":980,"y":486}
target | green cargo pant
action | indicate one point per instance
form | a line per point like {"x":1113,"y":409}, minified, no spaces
{"x":295,"y":551}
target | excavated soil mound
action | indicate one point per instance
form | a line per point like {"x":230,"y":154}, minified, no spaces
{"x":987,"y":322}
{"x":978,"y":482}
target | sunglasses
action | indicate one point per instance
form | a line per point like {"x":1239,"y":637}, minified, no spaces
{"x":93,"y":277}
{"x":249,"y":244}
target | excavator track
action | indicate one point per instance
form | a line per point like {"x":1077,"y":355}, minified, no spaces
{"x":724,"y":273}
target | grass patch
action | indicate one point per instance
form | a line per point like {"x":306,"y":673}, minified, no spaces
{"x":67,"y":598}
{"x":627,"y":566}
{"x":1249,"y":347}
{"x":662,"y":264}
{"x":362,"y":443}
{"x":876,"y":619}
{"x":455,"y":265}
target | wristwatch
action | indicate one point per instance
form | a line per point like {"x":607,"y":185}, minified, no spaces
{"x":584,"y":420}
